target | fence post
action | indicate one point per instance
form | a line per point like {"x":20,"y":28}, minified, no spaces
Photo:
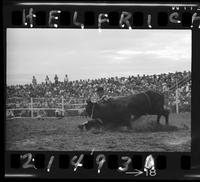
{"x":177,"y":100}
{"x":63,"y":106}
{"x":31,"y":107}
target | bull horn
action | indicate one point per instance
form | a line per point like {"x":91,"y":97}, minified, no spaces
{"x":86,"y":122}
{"x":88,"y":101}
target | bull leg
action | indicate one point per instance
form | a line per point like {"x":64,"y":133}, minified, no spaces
{"x":128,"y":121}
{"x":166,"y":114}
{"x":135,"y":118}
{"x":99,"y":125}
{"x":158,"y":118}
{"x":128,"y":125}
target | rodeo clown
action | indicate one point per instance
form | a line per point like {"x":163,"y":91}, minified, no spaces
{"x":97,"y":122}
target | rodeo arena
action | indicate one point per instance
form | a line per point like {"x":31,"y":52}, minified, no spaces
{"x":48,"y":115}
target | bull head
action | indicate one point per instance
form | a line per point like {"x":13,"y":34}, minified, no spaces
{"x":88,"y":101}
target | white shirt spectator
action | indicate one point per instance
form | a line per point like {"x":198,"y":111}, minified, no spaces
{"x":66,"y":79}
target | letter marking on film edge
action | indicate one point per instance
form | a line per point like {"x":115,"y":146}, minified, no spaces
{"x":50,"y":163}
{"x":78,"y":163}
{"x":53,"y":16}
{"x":76,"y":22}
{"x":28,"y":17}
{"x":124,"y":19}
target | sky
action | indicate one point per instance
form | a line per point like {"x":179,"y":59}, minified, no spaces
{"x":88,"y":53}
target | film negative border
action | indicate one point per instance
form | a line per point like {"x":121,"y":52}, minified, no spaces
{"x":94,"y":15}
{"x":63,"y":164}
{"x":95,"y":164}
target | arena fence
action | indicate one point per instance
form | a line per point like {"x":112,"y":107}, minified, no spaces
{"x":176,"y":89}
{"x":67,"y":109}
{"x":43,"y":107}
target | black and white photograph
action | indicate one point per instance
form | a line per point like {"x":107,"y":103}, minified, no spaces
{"x":102,"y":90}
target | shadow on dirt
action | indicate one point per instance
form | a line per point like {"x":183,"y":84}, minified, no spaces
{"x":154,"y":127}
{"x":149,"y":124}
{"x":148,"y":127}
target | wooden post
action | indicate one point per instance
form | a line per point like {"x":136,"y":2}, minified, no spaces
{"x":31,"y":107}
{"x":63,"y":106}
{"x":177,"y":101}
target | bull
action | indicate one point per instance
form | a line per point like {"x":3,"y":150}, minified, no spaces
{"x":121,"y":111}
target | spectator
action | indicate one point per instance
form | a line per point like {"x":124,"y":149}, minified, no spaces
{"x":66,"y":79}
{"x":47,"y":81}
{"x":34,"y":81}
{"x":56,"y":79}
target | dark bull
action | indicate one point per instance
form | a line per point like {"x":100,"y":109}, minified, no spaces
{"x":120,"y":111}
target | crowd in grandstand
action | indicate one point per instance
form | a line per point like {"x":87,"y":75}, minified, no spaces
{"x":113,"y":86}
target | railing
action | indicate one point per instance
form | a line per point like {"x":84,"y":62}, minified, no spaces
{"x":33,"y":108}
{"x":176,"y":87}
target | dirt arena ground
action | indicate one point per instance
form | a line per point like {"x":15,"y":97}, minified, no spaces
{"x":64,"y":135}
